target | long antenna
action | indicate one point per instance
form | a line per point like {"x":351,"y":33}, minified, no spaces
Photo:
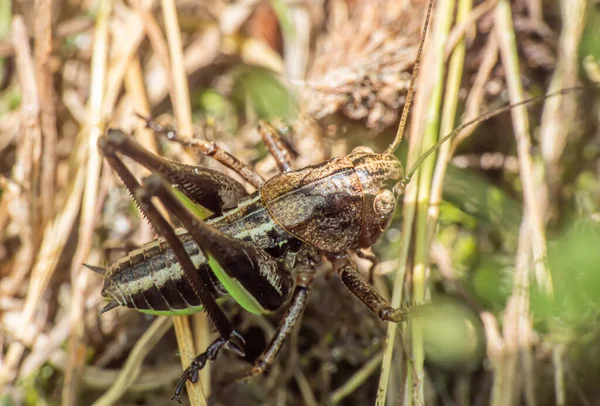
{"x":479,"y":119}
{"x":411,"y":86}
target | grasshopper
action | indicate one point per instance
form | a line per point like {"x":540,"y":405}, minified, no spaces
{"x":259,"y":248}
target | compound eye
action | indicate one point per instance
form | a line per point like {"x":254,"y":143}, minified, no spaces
{"x":384,"y":203}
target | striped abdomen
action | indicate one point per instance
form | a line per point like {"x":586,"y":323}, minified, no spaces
{"x":151,"y":280}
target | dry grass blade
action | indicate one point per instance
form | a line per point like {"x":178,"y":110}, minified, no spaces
{"x":181,"y":101}
{"x":532,"y":241}
{"x":187,"y":351}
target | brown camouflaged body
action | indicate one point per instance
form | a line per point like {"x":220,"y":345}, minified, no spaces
{"x":330,"y":205}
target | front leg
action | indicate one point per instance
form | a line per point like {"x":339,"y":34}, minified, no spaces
{"x":366,"y":293}
{"x":287,"y":324}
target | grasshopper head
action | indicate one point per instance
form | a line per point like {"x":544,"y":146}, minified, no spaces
{"x":379,"y":175}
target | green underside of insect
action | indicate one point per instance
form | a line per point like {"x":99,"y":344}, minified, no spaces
{"x":183,"y":312}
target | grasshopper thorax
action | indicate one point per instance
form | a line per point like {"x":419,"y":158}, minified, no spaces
{"x":340,"y":204}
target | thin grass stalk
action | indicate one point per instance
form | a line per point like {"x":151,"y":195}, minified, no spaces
{"x":443,"y":20}
{"x":453,"y":81}
{"x":531,"y":188}
{"x":558,"y":353}
{"x":183,"y":115}
{"x":133,"y":366}
{"x":408,"y":214}
{"x":532,"y":241}
{"x":308,"y":397}
{"x":356,"y":380}
{"x":187,"y":351}
{"x":77,"y":348}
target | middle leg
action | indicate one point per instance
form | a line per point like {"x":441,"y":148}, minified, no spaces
{"x":293,"y":314}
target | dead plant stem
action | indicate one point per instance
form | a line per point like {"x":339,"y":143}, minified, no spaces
{"x":559,"y":113}
{"x":510,"y":60}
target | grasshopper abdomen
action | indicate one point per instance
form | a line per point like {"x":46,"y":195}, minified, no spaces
{"x":150,"y":279}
